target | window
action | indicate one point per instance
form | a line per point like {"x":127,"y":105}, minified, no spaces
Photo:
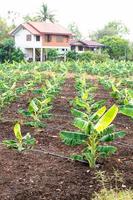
{"x":80,"y":48}
{"x":37,"y":37}
{"x":72,"y":48}
{"x":48,"y":38}
{"x":28,"y":37}
{"x":67,"y":38}
{"x":59,"y":38}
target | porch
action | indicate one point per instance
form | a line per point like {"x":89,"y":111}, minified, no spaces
{"x":36,"y":54}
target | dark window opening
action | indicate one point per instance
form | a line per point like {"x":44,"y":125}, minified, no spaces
{"x":72,"y":48}
{"x":28,"y":37}
{"x":48,"y":38}
{"x":80,"y":48}
{"x":37,"y":37}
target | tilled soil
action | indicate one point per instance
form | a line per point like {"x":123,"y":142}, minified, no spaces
{"x":36,"y":175}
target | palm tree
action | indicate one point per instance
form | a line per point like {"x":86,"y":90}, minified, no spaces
{"x":46,"y":14}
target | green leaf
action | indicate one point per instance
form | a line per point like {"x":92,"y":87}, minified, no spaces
{"x":106,"y":119}
{"x":17,"y":132}
{"x":10,"y":143}
{"x":109,"y":130}
{"x":106,"y":150}
{"x":24,"y":112}
{"x":126,"y":110}
{"x":81,"y":124}
{"x":85,"y":95}
{"x":28,"y":140}
{"x":98,"y":104}
{"x":36,"y":124}
{"x":73,"y":138}
{"x":101,"y":111}
{"x":77,"y":157}
{"x":46,"y":101}
{"x":113,"y":136}
{"x":32,"y":107}
{"x":114,"y":88}
{"x":78,"y":113}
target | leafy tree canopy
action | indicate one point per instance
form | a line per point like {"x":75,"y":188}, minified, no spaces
{"x":73,"y":28}
{"x":116,"y":47}
{"x":44,"y":15}
{"x":4,"y":29}
{"x":8,"y":52}
{"x":113,"y":28}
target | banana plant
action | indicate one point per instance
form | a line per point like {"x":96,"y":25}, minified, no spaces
{"x":21,"y":142}
{"x":94,"y":136}
{"x":37,"y":110}
{"x":87,"y":106}
{"x":126,"y":110}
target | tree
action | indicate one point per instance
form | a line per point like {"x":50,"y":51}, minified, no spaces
{"x":73,"y":28}
{"x":8,"y":52}
{"x":116,"y":46}
{"x":45,"y":14}
{"x":4,"y":29}
{"x":28,"y":18}
{"x":113,"y":28}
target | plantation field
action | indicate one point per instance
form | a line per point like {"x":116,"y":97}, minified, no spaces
{"x":80,"y":120}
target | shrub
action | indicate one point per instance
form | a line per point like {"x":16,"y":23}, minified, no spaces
{"x":9,"y":53}
{"x":95,"y":56}
{"x":72,"y":55}
{"x":52,"y":54}
{"x":87,"y":56}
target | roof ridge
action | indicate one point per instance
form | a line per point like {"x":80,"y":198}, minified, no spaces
{"x":33,"y":27}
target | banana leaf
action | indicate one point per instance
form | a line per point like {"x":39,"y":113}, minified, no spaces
{"x":17,"y":132}
{"x":106,"y":119}
{"x":81,"y":124}
{"x":73,"y":138}
{"x":112,"y":136}
{"x":78,"y":113}
{"x":126,"y":110}
{"x":105,"y":151}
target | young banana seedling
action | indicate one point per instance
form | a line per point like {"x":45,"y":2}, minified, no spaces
{"x":21,"y":142}
{"x":37,"y":110}
{"x":93,"y":135}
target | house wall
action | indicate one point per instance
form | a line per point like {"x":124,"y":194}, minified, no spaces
{"x":20,"y":40}
{"x":54,"y":43}
{"x":28,"y":54}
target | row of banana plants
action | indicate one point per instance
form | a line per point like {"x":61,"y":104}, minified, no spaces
{"x":16,"y":79}
{"x":117,"y":69}
{"x":38,"y":109}
{"x":121,"y":92}
{"x":94,"y":123}
{"x":115,"y":76}
{"x":40,"y":106}
{"x":15,"y":82}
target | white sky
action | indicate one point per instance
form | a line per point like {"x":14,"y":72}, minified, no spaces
{"x":89,"y":15}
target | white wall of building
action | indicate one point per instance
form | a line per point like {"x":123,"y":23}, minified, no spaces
{"x":20,"y":40}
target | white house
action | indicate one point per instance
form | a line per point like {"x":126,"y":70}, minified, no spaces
{"x":34,"y":38}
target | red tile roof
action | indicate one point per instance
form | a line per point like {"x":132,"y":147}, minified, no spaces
{"x":44,"y":27}
{"x":31,"y":29}
{"x":86,"y":43}
{"x":37,"y":28}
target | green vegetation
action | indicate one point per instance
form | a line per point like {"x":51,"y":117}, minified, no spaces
{"x":21,"y":142}
{"x":94,"y":125}
{"x":109,"y":193}
{"x":8,"y":52}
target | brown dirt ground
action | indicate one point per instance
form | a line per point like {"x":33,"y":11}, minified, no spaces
{"x":35,"y":175}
